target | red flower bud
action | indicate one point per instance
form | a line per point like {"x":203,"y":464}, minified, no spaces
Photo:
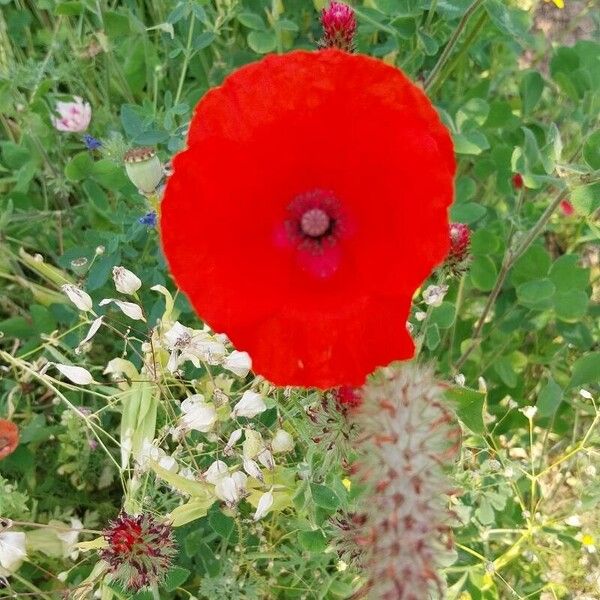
{"x":517,"y":181}
{"x":567,"y":208}
{"x":339,"y":26}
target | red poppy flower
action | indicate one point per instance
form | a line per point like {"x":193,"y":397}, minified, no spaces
{"x":9,"y":438}
{"x":310,"y":204}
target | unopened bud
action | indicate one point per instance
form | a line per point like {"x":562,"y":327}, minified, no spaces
{"x":144,"y":169}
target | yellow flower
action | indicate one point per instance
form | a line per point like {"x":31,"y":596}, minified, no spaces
{"x":559,"y":3}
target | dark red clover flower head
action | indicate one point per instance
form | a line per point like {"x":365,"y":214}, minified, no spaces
{"x":339,"y":26}
{"x":323,"y":181}
{"x":348,"y":397}
{"x":140,"y":549}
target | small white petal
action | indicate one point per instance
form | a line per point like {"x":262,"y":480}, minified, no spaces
{"x":96,"y":324}
{"x":231,"y":488}
{"x":126,"y":282}
{"x":168,"y":463}
{"x":573,"y":521}
{"x":282,"y":441}
{"x":77,"y":296}
{"x":77,"y":375}
{"x":265,"y":458}
{"x":234,"y":438}
{"x":12,"y":549}
{"x":264,"y":505}
{"x":460,"y":379}
{"x":130,"y":309}
{"x":249,"y":406}
{"x":585,"y":394}
{"x":252,"y":469}
{"x":434,"y":294}
{"x":420,"y":315}
{"x":529,"y":411}
{"x":216,"y":472}
{"x":239,"y":363}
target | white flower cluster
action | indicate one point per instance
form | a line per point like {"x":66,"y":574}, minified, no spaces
{"x":403,"y":522}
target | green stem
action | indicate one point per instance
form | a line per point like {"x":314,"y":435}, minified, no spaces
{"x":510,"y":258}
{"x":186,"y":58}
{"x":451,"y":44}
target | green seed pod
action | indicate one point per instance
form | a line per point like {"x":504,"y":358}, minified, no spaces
{"x":144,"y":169}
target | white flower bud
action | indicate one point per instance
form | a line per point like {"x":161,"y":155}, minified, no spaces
{"x":77,"y":296}
{"x":282,"y":441}
{"x":265,"y":458}
{"x":264,"y":505}
{"x":233,"y":440}
{"x":239,"y":363}
{"x":130,"y":309}
{"x":252,"y":469}
{"x":126,"y":282}
{"x":77,"y":375}
{"x":249,"y":406}
{"x":529,"y":412}
{"x":92,"y":331}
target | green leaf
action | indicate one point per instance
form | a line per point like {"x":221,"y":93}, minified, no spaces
{"x":534,"y":264}
{"x":196,"y":489}
{"x":504,"y":368}
{"x":513,"y":21}
{"x":532,"y":86}
{"x":443,"y":315}
{"x":586,"y":370}
{"x":483,"y":273}
{"x":432,"y":336}
{"x":470,"y":142}
{"x":313,"y":541}
{"x":467,"y":212}
{"x":566,"y":274}
{"x":549,"y":398}
{"x":79,"y":167}
{"x":325,"y":497}
{"x":252,"y":21}
{"x":176,"y":576}
{"x":194,"y":508}
{"x":221,"y":524}
{"x":532,"y":293}
{"x":262,"y":41}
{"x":484,"y":242}
{"x":591,"y":150}
{"x":586,"y":198}
{"x":469,"y":407}
{"x":69,"y":8}
{"x":571,"y":306}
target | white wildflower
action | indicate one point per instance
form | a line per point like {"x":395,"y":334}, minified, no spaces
{"x":420,"y":315}
{"x":77,"y":296}
{"x":12,"y":551}
{"x":216,"y":471}
{"x":126,"y":282}
{"x":231,"y":488}
{"x":249,"y":406}
{"x":282,"y":441}
{"x":264,"y":505}
{"x":585,"y":394}
{"x":197,"y":414}
{"x":239,"y":363}
{"x":460,"y":379}
{"x":130,"y":309}
{"x":193,"y":345}
{"x":434,"y":294}
{"x":573,"y":521}
{"x":77,"y":375}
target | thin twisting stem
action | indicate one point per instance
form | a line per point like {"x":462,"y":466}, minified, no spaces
{"x":510,"y":259}
{"x":451,"y":44}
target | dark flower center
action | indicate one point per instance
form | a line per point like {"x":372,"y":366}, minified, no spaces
{"x":314,"y":220}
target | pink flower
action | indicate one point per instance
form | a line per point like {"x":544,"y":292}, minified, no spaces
{"x":74,"y":117}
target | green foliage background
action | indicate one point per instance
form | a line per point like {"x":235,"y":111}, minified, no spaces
{"x":521,"y":325}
